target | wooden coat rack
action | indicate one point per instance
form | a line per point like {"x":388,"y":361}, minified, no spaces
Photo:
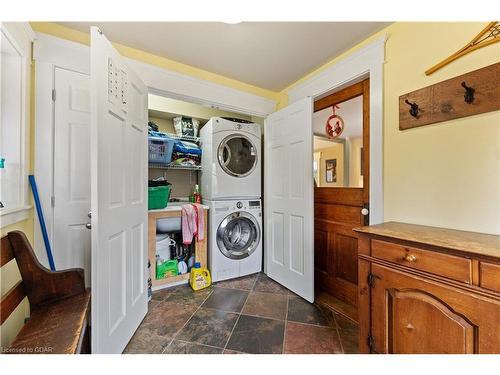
{"x":466,"y":95}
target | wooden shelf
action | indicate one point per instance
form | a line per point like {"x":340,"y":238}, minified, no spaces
{"x":169,"y":279}
{"x":200,"y":248}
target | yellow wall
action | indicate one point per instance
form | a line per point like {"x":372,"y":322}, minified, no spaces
{"x":335,"y":151}
{"x":355,"y":177}
{"x":445,"y":174}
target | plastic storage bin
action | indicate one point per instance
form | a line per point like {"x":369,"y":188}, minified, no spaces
{"x":160,"y":149}
{"x":158,"y":197}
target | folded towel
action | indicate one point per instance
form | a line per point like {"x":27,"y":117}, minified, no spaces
{"x":193,"y":223}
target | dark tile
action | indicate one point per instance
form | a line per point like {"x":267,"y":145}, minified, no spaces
{"x":181,"y":347}
{"x":299,"y":310}
{"x":242,"y":283}
{"x":350,"y":341}
{"x":266,"y":284}
{"x":344,"y":323}
{"x":226,"y":300}
{"x":266,"y":305}
{"x":187,"y":296}
{"x":146,"y":341}
{"x":167,"y":318}
{"x":227,"y":351}
{"x":348,"y":332}
{"x":209,"y":327}
{"x":161,"y":295}
{"x":308,"y":339}
{"x":257,"y":335}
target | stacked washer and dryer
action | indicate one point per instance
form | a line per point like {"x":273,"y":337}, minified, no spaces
{"x":231,"y":187}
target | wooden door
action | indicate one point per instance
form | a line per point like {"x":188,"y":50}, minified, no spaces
{"x":337,"y":210}
{"x":413,"y":315}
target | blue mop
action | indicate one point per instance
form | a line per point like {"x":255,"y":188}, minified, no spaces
{"x":42,"y":222}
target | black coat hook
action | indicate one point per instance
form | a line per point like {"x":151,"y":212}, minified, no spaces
{"x":414,"y":110}
{"x":469,"y":93}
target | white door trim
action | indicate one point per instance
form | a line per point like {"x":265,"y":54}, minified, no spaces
{"x":48,"y":53}
{"x":363,"y":63}
{"x":183,"y":87}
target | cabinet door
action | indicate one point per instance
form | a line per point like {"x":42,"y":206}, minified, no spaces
{"x":413,"y":315}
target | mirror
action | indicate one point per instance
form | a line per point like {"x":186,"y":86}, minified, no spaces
{"x":338,"y":162}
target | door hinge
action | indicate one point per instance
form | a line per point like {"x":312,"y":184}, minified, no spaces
{"x":52,"y":201}
{"x":371,"y":343}
{"x":371,"y":279}
{"x":53,"y":95}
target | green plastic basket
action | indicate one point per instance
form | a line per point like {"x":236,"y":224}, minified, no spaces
{"x":158,"y":197}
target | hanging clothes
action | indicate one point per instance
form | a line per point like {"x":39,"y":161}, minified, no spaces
{"x":193,"y":223}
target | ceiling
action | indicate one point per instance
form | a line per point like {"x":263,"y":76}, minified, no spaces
{"x":270,"y":55}
{"x":351,"y":112}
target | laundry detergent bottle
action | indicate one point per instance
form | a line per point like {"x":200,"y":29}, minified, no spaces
{"x":200,"y":277}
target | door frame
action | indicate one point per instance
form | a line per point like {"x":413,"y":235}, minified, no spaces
{"x":50,"y":53}
{"x":366,"y":62}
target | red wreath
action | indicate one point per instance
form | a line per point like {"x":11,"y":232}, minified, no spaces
{"x":334,"y":125}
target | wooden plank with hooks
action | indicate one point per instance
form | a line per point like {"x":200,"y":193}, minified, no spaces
{"x":465,"y":95}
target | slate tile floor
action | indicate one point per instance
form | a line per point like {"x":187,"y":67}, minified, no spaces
{"x":251,"y":314}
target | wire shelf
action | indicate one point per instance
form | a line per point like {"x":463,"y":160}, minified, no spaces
{"x":174,"y":166}
{"x":184,"y":137}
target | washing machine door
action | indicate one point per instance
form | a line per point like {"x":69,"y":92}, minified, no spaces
{"x":237,"y":155}
{"x":238,"y":235}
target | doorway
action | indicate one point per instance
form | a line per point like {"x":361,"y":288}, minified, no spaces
{"x":341,"y":193}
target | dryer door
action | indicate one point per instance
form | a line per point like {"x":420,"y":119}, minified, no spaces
{"x":237,"y":155}
{"x":238,"y":235}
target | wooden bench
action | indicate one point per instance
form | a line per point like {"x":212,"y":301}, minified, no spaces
{"x":59,"y":303}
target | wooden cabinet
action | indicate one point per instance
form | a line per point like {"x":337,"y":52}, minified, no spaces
{"x":200,"y":247}
{"x":443,"y":301}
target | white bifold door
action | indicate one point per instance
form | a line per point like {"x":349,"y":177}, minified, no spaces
{"x":289,"y":198}
{"x":118,"y":146}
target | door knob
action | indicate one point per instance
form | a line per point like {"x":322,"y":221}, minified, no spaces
{"x":88,"y":226}
{"x":90,"y":214}
{"x":365,"y":211}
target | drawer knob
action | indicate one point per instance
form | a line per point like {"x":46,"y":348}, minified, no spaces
{"x":410,"y":258}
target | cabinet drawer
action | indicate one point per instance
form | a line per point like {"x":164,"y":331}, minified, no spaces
{"x":450,"y":266}
{"x":489,"y":276}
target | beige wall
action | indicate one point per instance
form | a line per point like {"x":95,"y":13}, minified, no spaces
{"x":355,"y":177}
{"x":446,"y":174}
{"x":336,"y":151}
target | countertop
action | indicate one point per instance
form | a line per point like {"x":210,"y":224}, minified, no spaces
{"x":175,"y":206}
{"x":470,"y":242}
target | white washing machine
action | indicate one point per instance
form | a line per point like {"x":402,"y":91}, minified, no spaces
{"x":231,"y":160}
{"x":235,"y":238}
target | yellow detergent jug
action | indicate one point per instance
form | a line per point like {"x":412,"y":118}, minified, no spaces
{"x":199,"y":278}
